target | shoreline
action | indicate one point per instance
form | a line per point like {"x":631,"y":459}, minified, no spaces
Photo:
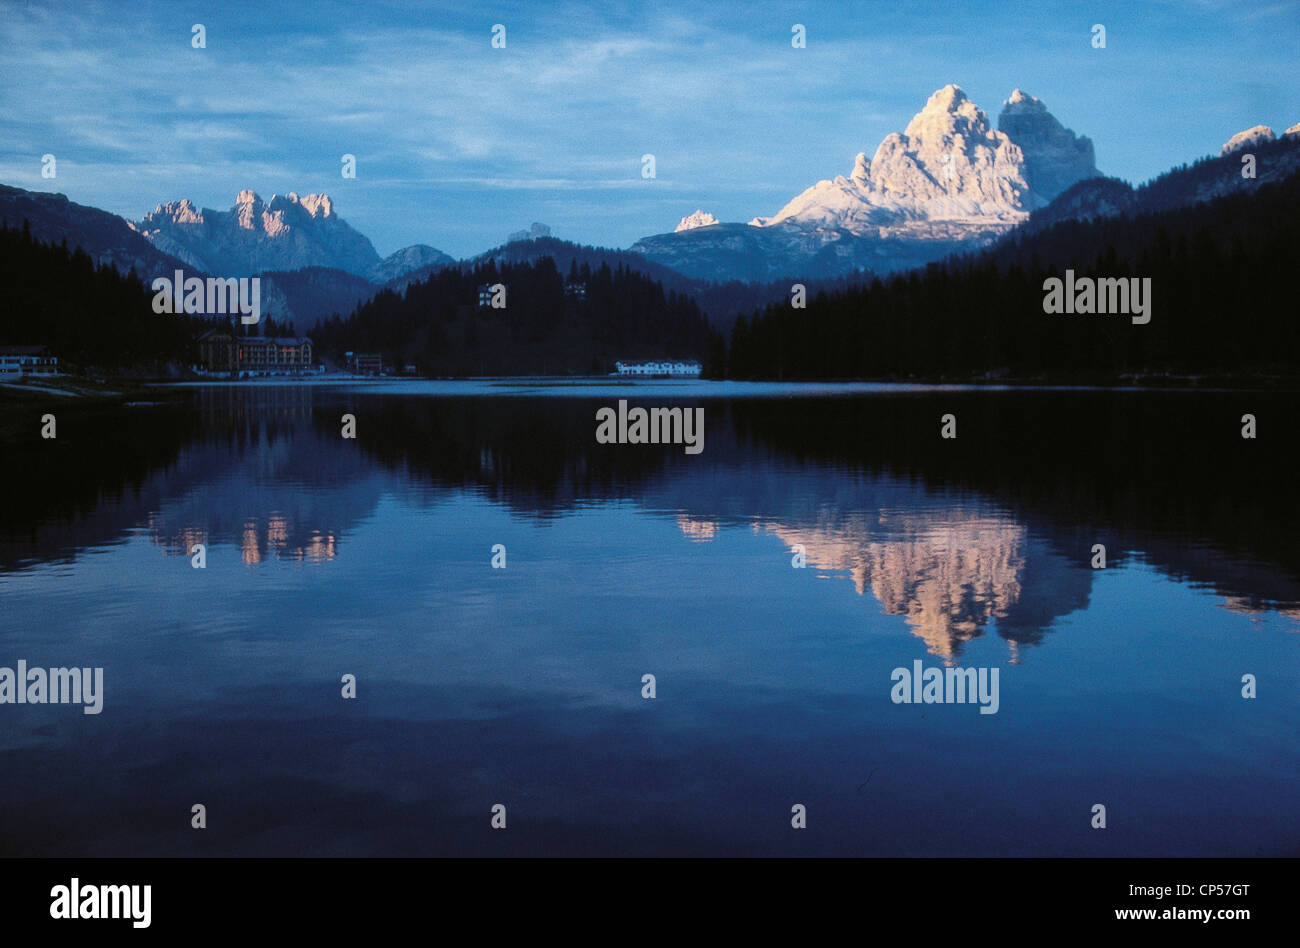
{"x":69,"y":390}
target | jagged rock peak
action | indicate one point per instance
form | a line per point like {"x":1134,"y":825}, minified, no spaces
{"x":179,"y":212}
{"x":289,"y":232}
{"x":314,"y":204}
{"x":698,"y":219}
{"x":947,"y":109}
{"x":948,"y":164}
{"x":861,"y":170}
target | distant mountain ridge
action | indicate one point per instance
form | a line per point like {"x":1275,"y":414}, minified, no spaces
{"x":287,"y":232}
{"x":948,"y":183}
{"x":312,"y":263}
{"x":105,"y":237}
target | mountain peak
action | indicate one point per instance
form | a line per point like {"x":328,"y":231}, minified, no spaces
{"x":1055,"y":157}
{"x":1022,"y":102}
{"x":948,"y":112}
{"x":947,"y":99}
{"x":408,"y":260}
{"x":949,"y":171}
{"x":948,"y":165}
{"x":289,"y":232}
{"x":1251,"y":136}
{"x":698,"y":219}
{"x":317,"y":205}
{"x":179,"y":212}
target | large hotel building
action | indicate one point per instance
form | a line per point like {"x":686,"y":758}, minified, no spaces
{"x":220,"y":350}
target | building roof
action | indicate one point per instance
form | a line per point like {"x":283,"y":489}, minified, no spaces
{"x":24,"y":350}
{"x":658,"y":361}
{"x":268,"y":340}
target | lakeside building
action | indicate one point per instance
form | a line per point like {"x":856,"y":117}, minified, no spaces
{"x":365,"y":363}
{"x":17,"y":361}
{"x":220,"y":350}
{"x":666,"y":367}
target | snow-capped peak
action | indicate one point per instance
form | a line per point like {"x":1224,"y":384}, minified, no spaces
{"x":698,"y":219}
{"x":949,"y":175}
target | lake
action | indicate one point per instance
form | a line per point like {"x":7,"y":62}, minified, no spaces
{"x":824,"y":537}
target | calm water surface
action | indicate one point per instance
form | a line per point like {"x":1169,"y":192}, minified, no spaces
{"x":522,"y":686}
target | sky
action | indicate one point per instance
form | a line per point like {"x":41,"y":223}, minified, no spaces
{"x":458,"y":143}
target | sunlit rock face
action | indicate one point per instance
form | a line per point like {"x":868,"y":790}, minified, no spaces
{"x":288,"y":232}
{"x":949,"y":164}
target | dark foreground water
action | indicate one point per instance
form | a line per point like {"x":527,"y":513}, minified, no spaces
{"x":523,"y":686}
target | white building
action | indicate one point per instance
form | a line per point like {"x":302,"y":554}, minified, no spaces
{"x":27,"y":360}
{"x":667,"y":367}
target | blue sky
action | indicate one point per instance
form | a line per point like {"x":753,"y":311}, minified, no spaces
{"x":458,"y":144}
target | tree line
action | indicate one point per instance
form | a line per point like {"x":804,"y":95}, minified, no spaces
{"x":550,"y":324}
{"x":1222,"y":305}
{"x":90,"y":315}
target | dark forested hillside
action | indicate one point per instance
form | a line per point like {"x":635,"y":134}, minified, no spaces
{"x":1223,"y":304}
{"x":106,"y":237}
{"x":438,"y":325}
{"x":721,"y":302}
{"x":89,"y":316}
